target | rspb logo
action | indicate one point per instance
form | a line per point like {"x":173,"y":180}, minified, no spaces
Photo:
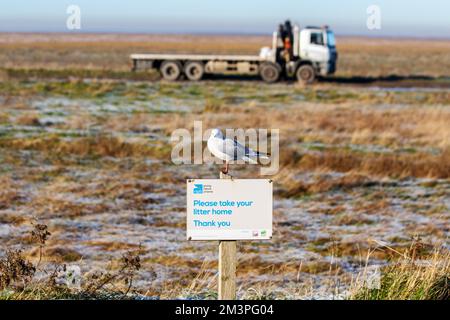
{"x":202,"y":188}
{"x":198,"y":189}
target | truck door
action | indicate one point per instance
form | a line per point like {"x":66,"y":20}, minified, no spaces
{"x":314,"y":47}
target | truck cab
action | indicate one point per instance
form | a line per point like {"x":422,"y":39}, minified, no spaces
{"x":313,"y":53}
{"x":318,"y":46}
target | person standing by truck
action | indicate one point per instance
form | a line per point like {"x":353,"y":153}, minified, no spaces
{"x":288,"y":39}
{"x":280,"y":41}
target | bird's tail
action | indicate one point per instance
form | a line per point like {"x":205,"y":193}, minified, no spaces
{"x":261,"y":155}
{"x":250,"y":160}
{"x":254,"y":156}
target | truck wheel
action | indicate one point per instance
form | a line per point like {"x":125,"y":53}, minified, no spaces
{"x":170,"y":70}
{"x":306,"y":74}
{"x":194,"y":71}
{"x":270,"y":72}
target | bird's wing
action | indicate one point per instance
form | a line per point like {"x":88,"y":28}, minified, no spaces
{"x":227,"y":149}
{"x":233,"y":149}
{"x":247,"y":151}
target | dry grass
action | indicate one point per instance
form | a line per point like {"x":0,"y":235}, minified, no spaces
{"x":292,"y":187}
{"x":382,"y":165}
{"x":28,"y":120}
{"x":358,"y":56}
{"x":256,"y":266}
{"x":135,"y":123}
{"x":19,"y":280}
{"x":48,"y":207}
{"x":11,"y":218}
{"x":381,"y":57}
{"x":96,"y":146}
{"x":9,"y":194}
{"x":411,"y":279}
{"x":203,"y":283}
{"x":57,"y":254}
{"x":4,"y":118}
{"x":369,"y":248}
{"x":358,"y":168}
{"x":316,"y":122}
{"x":112,"y":168}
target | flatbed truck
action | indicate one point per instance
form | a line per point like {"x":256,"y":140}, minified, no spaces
{"x":312,"y":53}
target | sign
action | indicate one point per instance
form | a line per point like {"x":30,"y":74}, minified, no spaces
{"x":225,"y":209}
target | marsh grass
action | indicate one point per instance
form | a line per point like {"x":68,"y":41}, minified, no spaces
{"x":213,"y":105}
{"x":354,"y":160}
{"x":93,"y":146}
{"x":387,"y":165}
{"x":21,"y":74}
{"x":42,"y":291}
{"x":358,"y":56}
{"x":361,"y":170}
{"x":411,"y":279}
{"x":19,"y":278}
{"x":217,"y":94}
{"x":28,"y":119}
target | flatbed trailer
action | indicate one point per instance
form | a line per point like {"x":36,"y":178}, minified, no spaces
{"x":197,"y":57}
{"x":195,"y":66}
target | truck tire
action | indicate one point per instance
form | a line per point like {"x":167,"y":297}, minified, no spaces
{"x":170,"y":70}
{"x":306,"y":74}
{"x":194,"y":70}
{"x":270,"y":72}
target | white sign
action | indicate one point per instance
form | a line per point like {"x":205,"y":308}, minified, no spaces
{"x":229,"y":209}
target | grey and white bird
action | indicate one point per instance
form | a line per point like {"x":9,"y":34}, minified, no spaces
{"x":231,"y":150}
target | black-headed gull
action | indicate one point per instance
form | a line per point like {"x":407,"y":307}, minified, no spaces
{"x":231,"y":150}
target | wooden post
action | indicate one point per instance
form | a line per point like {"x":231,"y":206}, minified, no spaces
{"x":227,"y":265}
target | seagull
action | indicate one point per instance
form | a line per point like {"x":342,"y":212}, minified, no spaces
{"x":231,"y":150}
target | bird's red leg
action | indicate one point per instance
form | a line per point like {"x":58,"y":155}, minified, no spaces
{"x":225,"y":169}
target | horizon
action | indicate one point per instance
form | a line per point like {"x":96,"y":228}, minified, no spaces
{"x":224,"y":34}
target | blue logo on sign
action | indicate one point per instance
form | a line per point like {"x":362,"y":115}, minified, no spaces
{"x":198,"y":188}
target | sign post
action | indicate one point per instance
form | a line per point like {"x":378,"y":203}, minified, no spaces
{"x":227,"y":265}
{"x":227,"y":270}
{"x":227,"y":210}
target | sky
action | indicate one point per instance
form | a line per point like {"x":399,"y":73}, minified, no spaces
{"x":410,"y":18}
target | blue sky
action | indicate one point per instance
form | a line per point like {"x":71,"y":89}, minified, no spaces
{"x":425,"y":18}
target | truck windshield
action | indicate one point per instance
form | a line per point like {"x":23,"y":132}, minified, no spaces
{"x":331,"y":41}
